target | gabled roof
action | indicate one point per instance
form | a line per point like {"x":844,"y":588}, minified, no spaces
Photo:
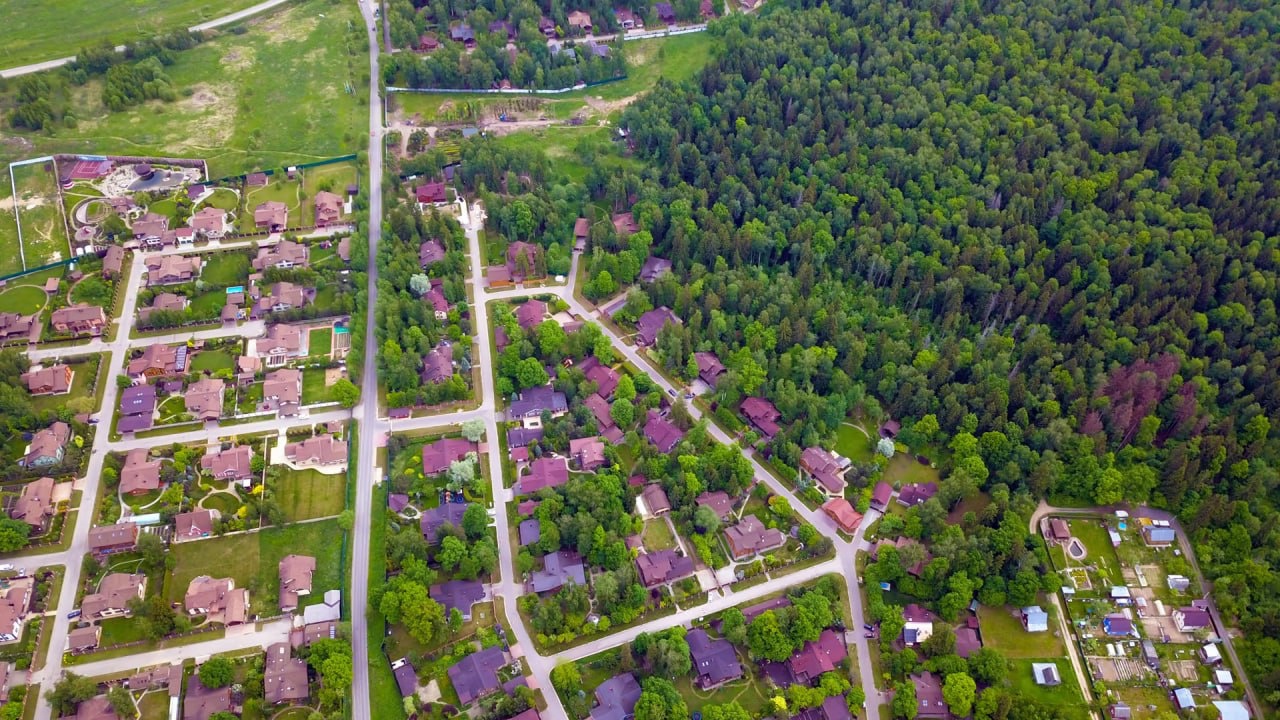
{"x":819,"y":657}
{"x":435,"y":518}
{"x":663,"y":566}
{"x":717,"y":500}
{"x":616,"y":698}
{"x":437,"y":456}
{"x":536,"y":400}
{"x":558,"y":568}
{"x":655,"y":499}
{"x":543,"y":473}
{"x":662,"y":432}
{"x":460,"y":594}
{"x":715,"y":661}
{"x":476,"y":675}
{"x":652,"y":322}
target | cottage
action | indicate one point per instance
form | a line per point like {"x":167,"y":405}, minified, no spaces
{"x":436,"y":518}
{"x":114,"y":594}
{"x":930,"y":704}
{"x":113,"y":262}
{"x":1117,"y":626}
{"x":1158,"y":536}
{"x":406,"y":677}
{"x":843,"y":513}
{"x":665,"y":13}
{"x":655,"y":500}
{"x":662,"y":567}
{"x":654,"y":268}
{"x":1046,"y":674}
{"x":1210,"y":654}
{"x":530,"y":314}
{"x":916,"y":493}
{"x":588,"y":453}
{"x":710,"y":368}
{"x":279,"y":297}
{"x":283,"y":255}
{"x":439,"y":455}
{"x":163,"y":302}
{"x":751,"y":537}
{"x":159,"y":360}
{"x":13,"y":325}
{"x":53,"y":380}
{"x":430,"y":253}
{"x":1190,"y":619}
{"x":580,"y":20}
{"x":209,"y":222}
{"x":322,"y":450}
{"x":48,"y":446}
{"x":201,"y":703}
{"x":328,"y":209}
{"x":616,"y":698}
{"x":522,"y":260}
{"x":463,"y":34}
{"x":809,"y":662}
{"x":719,"y":501}
{"x":824,"y":469}
{"x":432,"y":194}
{"x":137,"y":408}
{"x":34,"y":505}
{"x":662,"y":432}
{"x":280,"y":344}
{"x":296,"y":573}
{"x":84,"y":639}
{"x":1232,"y":709}
{"x":1034,"y":619}
{"x":282,"y":392}
{"x":652,"y":322}
{"x":172,"y":269}
{"x":149,"y":226}
{"x":1059,"y":531}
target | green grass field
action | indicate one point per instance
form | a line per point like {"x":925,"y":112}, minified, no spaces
{"x":657,"y":536}
{"x":223,"y":199}
{"x":288,"y":90}
{"x":44,"y":236}
{"x":280,"y":189}
{"x":154,"y":706}
{"x":1002,"y":630}
{"x":253,"y":560}
{"x":320,"y":342}
{"x":853,"y":444}
{"x":1065,"y":698}
{"x":22,"y":299}
{"x":306,"y":494}
{"x":903,"y":469}
{"x":10,"y":262}
{"x":117,"y":631}
{"x":313,"y":387}
{"x":212,"y":360}
{"x":225,"y":269}
{"x":44,"y":31}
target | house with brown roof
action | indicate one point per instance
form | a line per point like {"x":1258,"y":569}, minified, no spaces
{"x":113,"y":262}
{"x":824,"y":469}
{"x":321,"y":450}
{"x":163,"y":302}
{"x":201,"y":703}
{"x":461,"y":595}
{"x":588,"y":453}
{"x":272,"y":216}
{"x":110,"y":539}
{"x":95,"y":708}
{"x":284,"y":677}
{"x":662,"y":432}
{"x":139,"y":474}
{"x":751,"y":537}
{"x":581,"y":229}
{"x":48,"y":446}
{"x":218,"y":599}
{"x":709,"y":367}
{"x":192,"y":525}
{"x":204,"y":399}
{"x":654,"y":268}
{"x":283,"y":255}
{"x":599,"y":408}
{"x":717,"y":500}
{"x":662,"y":567}
{"x":430,"y":252}
{"x":625,"y":223}
{"x":15,"y":602}
{"x":158,"y":360}
{"x":296,"y":572}
{"x":530,"y":314}
{"x":437,"y":365}
{"x":843,"y":513}
{"x":439,"y":455}
{"x":428,"y":43}
{"x":432,"y":194}
{"x":209,"y":222}
{"x":605,"y":377}
{"x":762,"y":415}
{"x":150,"y":226}
{"x":522,"y":260}
{"x":13,"y":325}
{"x":328,"y":209}
{"x":172,"y":269}
{"x":280,"y":344}
{"x":34,"y":505}
{"x":282,"y":392}
{"x":655,"y":499}
{"x":79,"y":319}
{"x":234,"y":464}
{"x":543,"y":472}
{"x":818,"y":657}
{"x":279,"y":297}
{"x":581,"y":20}
{"x":52,"y":380}
{"x":652,"y":322}
{"x":881,"y":496}
{"x":714,"y":661}
{"x":84,"y":639}
{"x":436,"y":299}
{"x":916,"y":493}
{"x":113,"y":596}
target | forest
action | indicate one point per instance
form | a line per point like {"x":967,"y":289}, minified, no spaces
{"x":1053,"y":226}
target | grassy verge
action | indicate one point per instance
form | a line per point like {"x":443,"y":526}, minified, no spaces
{"x":384,"y":697}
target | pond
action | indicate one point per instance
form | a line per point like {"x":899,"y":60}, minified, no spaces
{"x":1075,"y":549}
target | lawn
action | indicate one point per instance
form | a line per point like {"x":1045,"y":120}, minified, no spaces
{"x":749,"y":692}
{"x":225,"y":269}
{"x":384,"y":697}
{"x":853,"y":444}
{"x":1065,"y":698}
{"x":253,"y":559}
{"x":1002,"y":630}
{"x":81,"y":386}
{"x":332,"y":178}
{"x":43,"y":31}
{"x":279,"y":189}
{"x":1099,"y":552}
{"x":212,"y":360}
{"x":171,"y":406}
{"x":306,"y":494}
{"x":118,"y":631}
{"x":657,"y":536}
{"x":154,"y":705}
{"x":320,"y":342}
{"x":904,"y":469}
{"x":22,"y":299}
{"x":10,"y":261}
{"x":313,"y":388}
{"x":209,"y":305}
{"x":290,"y":89}
{"x":222,"y":502}
{"x":223,"y":199}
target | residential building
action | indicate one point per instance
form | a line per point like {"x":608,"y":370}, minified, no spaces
{"x":1210,"y":654}
{"x":328,"y":209}
{"x":48,"y":446}
{"x":530,"y":314}
{"x":439,"y":455}
{"x":1158,"y":536}
{"x":543,"y":473}
{"x":662,"y":567}
{"x":1232,"y":709}
{"x":599,"y":408}
{"x":437,"y":517}
{"x":1059,"y":530}
{"x":654,"y":268}
{"x":192,"y":525}
{"x":79,"y":319}
{"x":34,"y":505}
{"x":114,"y":594}
{"x":430,"y":252}
{"x":200,"y":702}
{"x":53,"y":380}
{"x":624,"y":224}
{"x":461,"y":595}
{"x":95,"y":708}
{"x":916,"y":493}
{"x":714,"y":661}
{"x":282,"y":392}
{"x":139,"y":474}
{"x":1046,"y":674}
{"x":438,"y":302}
{"x":159,"y":360}
{"x":296,"y":573}
{"x":476,"y":675}
{"x":843,"y":513}
{"x":218,"y":599}
{"x":150,"y":226}
{"x":1034,"y":619}
{"x":204,"y":399}
{"x":13,"y":325}
{"x":284,"y":254}
{"x":521,"y":437}
{"x":652,"y":322}
{"x":558,"y":568}
{"x":172,"y":269}
{"x":616,"y":698}
{"x":587,"y":452}
{"x":710,"y":368}
{"x":522,"y":260}
{"x":137,"y":408}
{"x":233,"y":464}
{"x":284,"y":677}
{"x":281,"y":344}
{"x":321,"y":450}
{"x":1190,"y":619}
{"x":110,"y":539}
{"x":581,"y":20}
{"x":1183,"y":699}
{"x":432,"y":194}
{"x":719,"y":501}
{"x":918,"y":624}
{"x":531,"y":403}
{"x":605,"y":377}
{"x":762,"y":415}
{"x":1117,"y":626}
{"x":272,"y":216}
{"x":15,"y":602}
{"x":881,"y":496}
{"x":530,"y":531}
{"x":662,"y":432}
{"x":655,"y":499}
{"x":834,"y":707}
{"x":84,"y":639}
{"x":280,"y":297}
{"x":929,"y":702}
{"x":113,"y":262}
{"x":665,"y":13}
{"x":750,"y":537}
{"x":406,"y":677}
{"x":163,"y":302}
{"x":209,"y":222}
{"x":968,"y":641}
{"x":817,"y":657}
{"x":437,"y":366}
{"x":824,"y":469}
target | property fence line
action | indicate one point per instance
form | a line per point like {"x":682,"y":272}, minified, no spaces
{"x":513,"y":91}
{"x":32,"y":271}
{"x":270,"y":172}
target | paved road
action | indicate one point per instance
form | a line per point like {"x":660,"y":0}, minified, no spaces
{"x":215,"y":23}
{"x":272,"y":632}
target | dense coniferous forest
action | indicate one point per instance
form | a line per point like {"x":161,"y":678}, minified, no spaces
{"x":1051,"y":225}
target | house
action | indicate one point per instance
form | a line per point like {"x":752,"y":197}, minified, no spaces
{"x":209,"y":222}
{"x":282,"y":392}
{"x":458,"y":595}
{"x":320,"y":450}
{"x":918,"y":625}
{"x":498,"y":276}
{"x":599,"y":408}
{"x":430,"y":253}
{"x":428,"y":43}
{"x":172,"y":269}
{"x":890,"y":429}
{"x":929,"y":702}
{"x":662,"y":432}
{"x":719,"y":501}
{"x":1158,"y":536}
{"x":13,"y":325}
{"x":79,"y":319}
{"x":53,"y":380}
{"x":1179,"y":583}
{"x":530,"y":314}
{"x":432,"y":194}
{"x":328,"y":610}
{"x":159,"y":360}
{"x":439,"y":455}
{"x":531,"y":403}
{"x":714,"y":661}
{"x":522,"y":260}
{"x":762,"y":415}
{"x":902,"y":542}
{"x":558,"y":568}
{"x":605,"y":377}
{"x":271,"y":215}
{"x":283,"y":255}
{"x":665,"y":12}
{"x":113,"y":262}
{"x":218,"y":599}
{"x":916,"y":493}
{"x":95,"y":708}
{"x":83,"y":639}
{"x":296,"y":572}
{"x":204,"y":399}
{"x":530,"y":531}
{"x":503,"y":27}
{"x":433,"y":519}
{"x":139,"y":474}
{"x":842,"y":512}
{"x":113,"y":596}
{"x":109,"y":539}
{"x":751,"y":537}
{"x":280,"y":297}
{"x":163,"y":302}
{"x":662,"y":567}
{"x":547,"y":27}
{"x":1059,"y":531}
{"x":1190,"y":619}
{"x":247,"y":368}
{"x":201,"y":703}
{"x":436,"y":299}
{"x":1117,"y":626}
{"x":437,"y":365}
{"x":825,"y":470}
{"x":1183,"y":699}
{"x":34,"y":505}
{"x":137,"y":408}
{"x":281,"y":344}
{"x":616,"y":698}
{"x":192,"y":525}
{"x":654,"y":268}
{"x":476,"y":675}
{"x":406,"y":677}
{"x":581,"y":230}
{"x":284,"y":677}
{"x":1120,"y":711}
{"x":149,"y":226}
{"x":652,"y":322}
{"x":968,"y":641}
{"x":463,"y":34}
{"x":587,"y":452}
{"x":233,"y":464}
{"x":709,"y":367}
{"x":1223,"y":678}
{"x":15,"y":601}
{"x":1046,"y":674}
{"x":581,"y":20}
{"x":655,"y":499}
{"x":545,"y":472}
{"x":817,"y":657}
{"x":1210,"y":654}
{"x":1121,"y":594}
{"x":48,"y":446}
{"x":328,"y":209}
{"x":1034,"y":619}
{"x":833,"y":707}
{"x":1232,"y":709}
{"x":520,"y":437}
{"x":706,"y":10}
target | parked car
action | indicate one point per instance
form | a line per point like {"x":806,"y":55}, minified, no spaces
{"x":73,"y":614}
{"x":868,"y":626}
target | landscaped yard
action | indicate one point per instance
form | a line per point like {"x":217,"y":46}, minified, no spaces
{"x":117,"y":631}
{"x":903,"y":469}
{"x":306,"y":494}
{"x":253,"y":560}
{"x":313,"y":387}
{"x":223,"y":199}
{"x":320,"y":342}
{"x":225,"y":269}
{"x":171,"y":407}
{"x":1002,"y":630}
{"x":208,"y":305}
{"x":81,"y":384}
{"x":749,"y":692}
{"x":1099,"y":551}
{"x":853,"y":444}
{"x":224,"y":503}
{"x":154,"y":706}
{"x":212,"y":360}
{"x":657,"y":536}
{"x":1064,"y":697}
{"x":22,"y":299}
{"x":44,"y":235}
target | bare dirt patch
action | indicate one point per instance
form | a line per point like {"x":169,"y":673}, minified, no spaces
{"x":239,"y":59}
{"x":289,"y":27}
{"x":609,"y":106}
{"x":1184,"y":669}
{"x":213,"y":106}
{"x":333,"y":375}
